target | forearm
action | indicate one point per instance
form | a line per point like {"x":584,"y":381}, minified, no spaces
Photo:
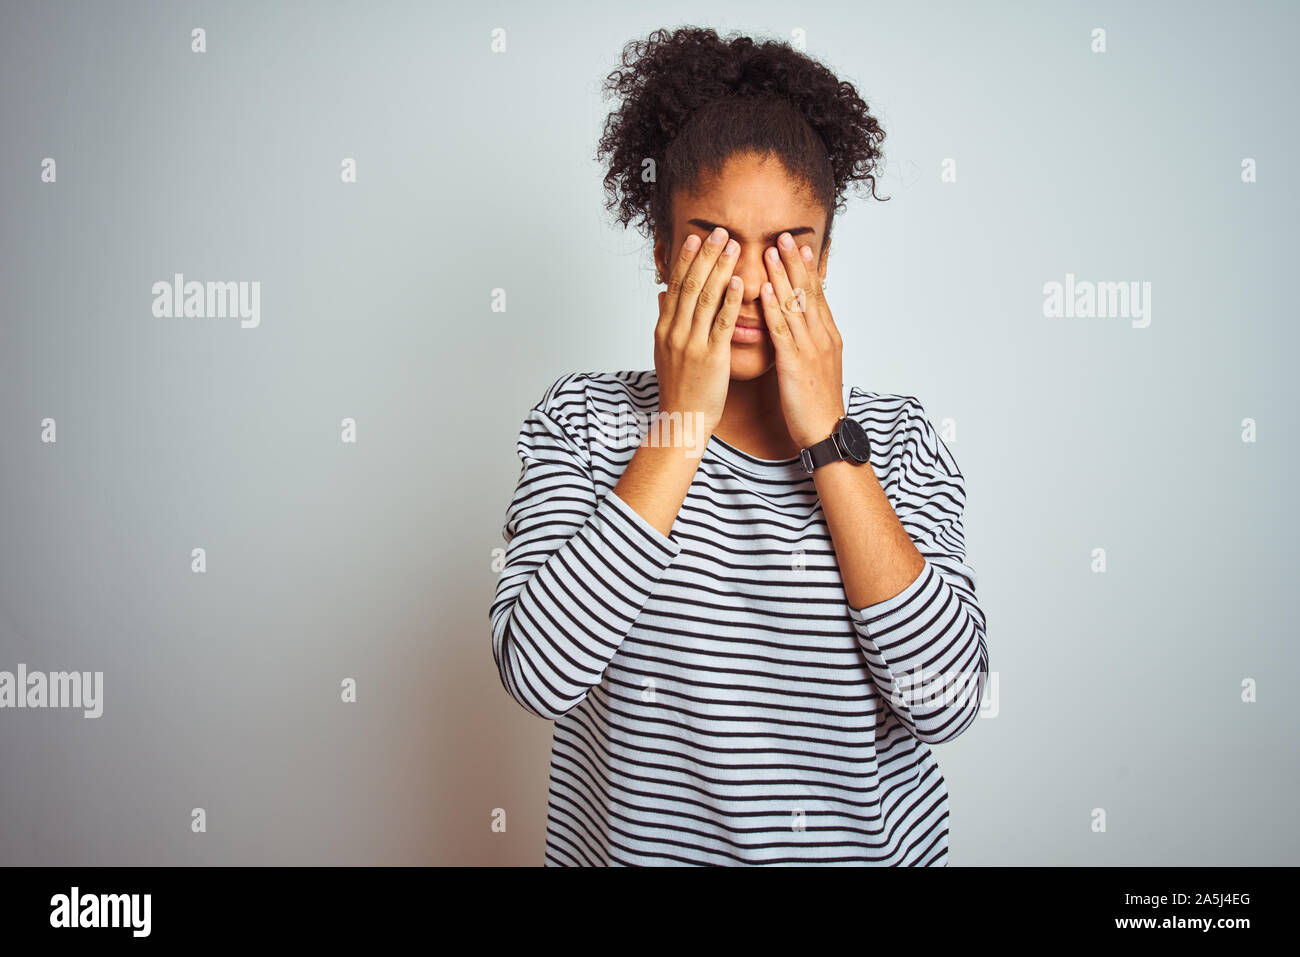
{"x":910,"y":594}
{"x":656,"y":481}
{"x":876,"y":556}
{"x":578,"y":570}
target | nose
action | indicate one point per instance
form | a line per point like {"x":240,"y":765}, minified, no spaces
{"x":752,"y":272}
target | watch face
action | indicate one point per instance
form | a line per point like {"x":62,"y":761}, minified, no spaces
{"x":854,"y":437}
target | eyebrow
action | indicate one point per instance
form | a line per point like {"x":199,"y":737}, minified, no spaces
{"x":770,"y":237}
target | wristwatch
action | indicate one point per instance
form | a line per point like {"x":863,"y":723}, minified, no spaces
{"x":848,"y":441}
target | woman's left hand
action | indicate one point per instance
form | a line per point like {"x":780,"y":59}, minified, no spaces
{"x":809,"y":350}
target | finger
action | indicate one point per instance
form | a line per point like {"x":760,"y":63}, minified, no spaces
{"x":824,"y":310}
{"x":692,"y":284}
{"x":725,"y":323}
{"x":715,"y":288}
{"x":817,"y":296}
{"x":784,"y":292}
{"x":668,"y":304}
{"x":799,"y":278}
{"x":778,"y":327}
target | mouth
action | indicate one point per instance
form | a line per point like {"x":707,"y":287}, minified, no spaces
{"x":749,"y":332}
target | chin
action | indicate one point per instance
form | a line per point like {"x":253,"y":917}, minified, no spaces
{"x":751,"y":363}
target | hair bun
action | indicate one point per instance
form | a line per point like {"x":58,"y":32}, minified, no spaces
{"x":691,"y":98}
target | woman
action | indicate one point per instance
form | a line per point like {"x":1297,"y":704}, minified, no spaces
{"x":747,"y":632}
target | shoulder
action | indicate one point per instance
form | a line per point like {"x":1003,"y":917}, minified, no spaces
{"x":576,"y":394}
{"x":899,"y":427}
{"x":586,"y":402}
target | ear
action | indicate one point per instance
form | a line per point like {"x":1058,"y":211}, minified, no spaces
{"x":661,"y":257}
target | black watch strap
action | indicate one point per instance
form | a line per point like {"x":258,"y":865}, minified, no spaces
{"x":820,"y":453}
{"x":848,"y":442}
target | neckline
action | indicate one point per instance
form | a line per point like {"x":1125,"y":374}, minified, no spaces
{"x":764,"y":468}
{"x":744,"y":462}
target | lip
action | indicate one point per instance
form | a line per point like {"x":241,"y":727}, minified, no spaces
{"x":750,"y":322}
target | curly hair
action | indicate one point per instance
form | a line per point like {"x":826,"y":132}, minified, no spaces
{"x":690,"y":99}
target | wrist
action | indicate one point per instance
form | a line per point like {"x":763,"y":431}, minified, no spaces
{"x":675,"y":436}
{"x":690,"y":425}
{"x":826,"y":425}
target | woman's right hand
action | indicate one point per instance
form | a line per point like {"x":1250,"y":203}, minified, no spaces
{"x":697,"y":315}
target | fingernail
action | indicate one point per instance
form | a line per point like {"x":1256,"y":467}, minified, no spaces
{"x":807,"y":254}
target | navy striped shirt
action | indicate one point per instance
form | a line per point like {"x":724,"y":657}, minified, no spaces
{"x":716,"y":698}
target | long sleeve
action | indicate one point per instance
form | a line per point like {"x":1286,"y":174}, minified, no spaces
{"x":925,"y":647}
{"x":578,"y":570}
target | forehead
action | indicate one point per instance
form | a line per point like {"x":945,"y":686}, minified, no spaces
{"x":751,"y":196}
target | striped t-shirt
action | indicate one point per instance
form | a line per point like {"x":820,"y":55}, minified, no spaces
{"x":716,"y":698}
